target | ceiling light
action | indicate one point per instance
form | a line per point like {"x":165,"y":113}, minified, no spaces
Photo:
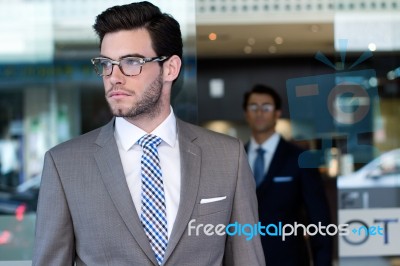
{"x":251,"y":41}
{"x":212,"y":36}
{"x":391,"y":75}
{"x":372,"y":47}
{"x":373,"y":82}
{"x":272,"y":49}
{"x":278,"y":40}
{"x":247,"y":49}
{"x":314,"y":28}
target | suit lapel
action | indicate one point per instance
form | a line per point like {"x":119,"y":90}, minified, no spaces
{"x":190,"y":156}
{"x":112,"y":174}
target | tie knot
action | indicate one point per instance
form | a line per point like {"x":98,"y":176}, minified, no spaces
{"x":149,"y":140}
{"x":260,"y":151}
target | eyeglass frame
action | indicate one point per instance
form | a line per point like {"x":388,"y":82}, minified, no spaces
{"x":141,"y":60}
{"x":265,"y":107}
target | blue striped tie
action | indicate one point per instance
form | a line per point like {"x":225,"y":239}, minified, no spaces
{"x":153,"y":216}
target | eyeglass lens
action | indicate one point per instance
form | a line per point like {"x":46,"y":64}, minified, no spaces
{"x":264,"y":107}
{"x":129,"y":66}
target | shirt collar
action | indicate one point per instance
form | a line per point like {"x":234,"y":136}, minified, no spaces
{"x":128,"y":134}
{"x":269,"y":145}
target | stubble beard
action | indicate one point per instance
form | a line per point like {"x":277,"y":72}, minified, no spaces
{"x":149,"y":105}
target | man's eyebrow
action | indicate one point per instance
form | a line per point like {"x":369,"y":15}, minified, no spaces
{"x":133,"y":55}
{"x":124,"y":56}
{"x":100,"y":55}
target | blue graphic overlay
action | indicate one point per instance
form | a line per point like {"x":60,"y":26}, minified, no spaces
{"x":327,"y":106}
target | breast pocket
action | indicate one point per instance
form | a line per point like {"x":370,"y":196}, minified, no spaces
{"x":212,"y":207}
{"x":283,"y":179}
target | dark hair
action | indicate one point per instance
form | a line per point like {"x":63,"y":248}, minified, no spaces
{"x":164,"y":30}
{"x":262,"y":89}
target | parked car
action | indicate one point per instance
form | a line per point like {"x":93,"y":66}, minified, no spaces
{"x":376,"y":185}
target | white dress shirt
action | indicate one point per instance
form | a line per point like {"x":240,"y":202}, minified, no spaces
{"x":126,"y":136}
{"x":269,"y":146}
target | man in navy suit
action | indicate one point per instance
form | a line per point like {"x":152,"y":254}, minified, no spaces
{"x":286,"y":193}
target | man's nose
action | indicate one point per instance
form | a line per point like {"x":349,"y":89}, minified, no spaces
{"x":117,"y":76}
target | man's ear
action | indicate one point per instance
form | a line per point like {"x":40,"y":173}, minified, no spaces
{"x":171,"y":68}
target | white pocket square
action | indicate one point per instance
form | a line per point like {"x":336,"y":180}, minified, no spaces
{"x":202,"y":201}
{"x":278,"y":179}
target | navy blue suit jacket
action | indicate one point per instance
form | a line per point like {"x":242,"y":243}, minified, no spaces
{"x":292,"y":194}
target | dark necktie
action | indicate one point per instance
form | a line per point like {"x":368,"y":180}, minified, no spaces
{"x":259,"y":166}
{"x":153,"y":216}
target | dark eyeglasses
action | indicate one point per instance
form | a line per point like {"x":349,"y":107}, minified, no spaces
{"x":129,"y":66}
{"x":266,"y":107}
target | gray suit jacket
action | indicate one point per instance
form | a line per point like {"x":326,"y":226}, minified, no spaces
{"x":86,"y":214}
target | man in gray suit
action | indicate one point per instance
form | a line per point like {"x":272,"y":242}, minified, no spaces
{"x":147,"y":188}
